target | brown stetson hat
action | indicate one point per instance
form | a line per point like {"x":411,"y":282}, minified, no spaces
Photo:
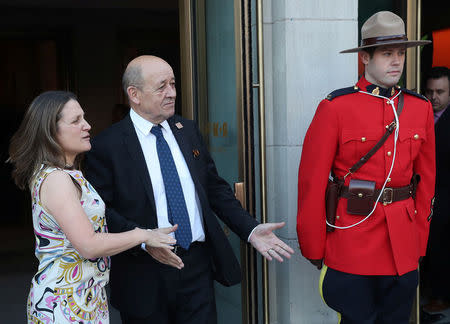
{"x":384,"y":28}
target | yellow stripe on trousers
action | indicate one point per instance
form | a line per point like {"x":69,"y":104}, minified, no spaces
{"x":321,"y":278}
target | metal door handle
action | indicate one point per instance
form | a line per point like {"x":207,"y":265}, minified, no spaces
{"x":239,"y":192}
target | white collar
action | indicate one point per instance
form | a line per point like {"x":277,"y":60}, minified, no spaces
{"x":144,"y":125}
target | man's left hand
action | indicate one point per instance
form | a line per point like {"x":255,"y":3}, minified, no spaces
{"x":268,"y":244}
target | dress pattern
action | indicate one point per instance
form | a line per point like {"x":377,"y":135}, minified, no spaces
{"x":67,"y":287}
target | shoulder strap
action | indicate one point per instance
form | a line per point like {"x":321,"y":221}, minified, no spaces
{"x":413,"y":93}
{"x":342,"y":92}
{"x":383,"y":139}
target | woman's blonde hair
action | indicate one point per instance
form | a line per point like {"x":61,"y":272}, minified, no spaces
{"x":34,"y":143}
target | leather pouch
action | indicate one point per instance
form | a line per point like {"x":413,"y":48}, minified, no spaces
{"x":362,"y":198}
{"x":331,"y":203}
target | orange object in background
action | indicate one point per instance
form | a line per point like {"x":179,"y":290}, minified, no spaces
{"x":441,"y":47}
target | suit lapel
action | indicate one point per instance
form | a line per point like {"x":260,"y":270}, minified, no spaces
{"x":131,"y":142}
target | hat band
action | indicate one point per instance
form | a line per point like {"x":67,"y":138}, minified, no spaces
{"x":382,"y":39}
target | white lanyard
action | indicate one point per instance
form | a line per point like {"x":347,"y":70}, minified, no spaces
{"x":397,"y":127}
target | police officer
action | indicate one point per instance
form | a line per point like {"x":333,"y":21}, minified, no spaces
{"x":371,"y":257}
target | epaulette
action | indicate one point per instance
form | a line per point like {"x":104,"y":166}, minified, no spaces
{"x":414,"y":94}
{"x":342,"y":92}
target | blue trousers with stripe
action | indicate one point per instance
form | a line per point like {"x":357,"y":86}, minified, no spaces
{"x":361,"y":299}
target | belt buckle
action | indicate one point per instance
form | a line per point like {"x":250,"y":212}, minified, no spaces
{"x":175,"y":249}
{"x":390,"y":196}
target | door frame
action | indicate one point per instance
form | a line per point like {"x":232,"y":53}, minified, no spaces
{"x":413,"y":77}
{"x":413,"y":31}
{"x":194,"y":106}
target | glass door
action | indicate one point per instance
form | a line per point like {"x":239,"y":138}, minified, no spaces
{"x":218,"y":107}
{"x":222,"y":129}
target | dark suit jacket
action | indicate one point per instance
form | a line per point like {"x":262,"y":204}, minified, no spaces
{"x":439,"y":240}
{"x":442,"y":131}
{"x":116,"y":168}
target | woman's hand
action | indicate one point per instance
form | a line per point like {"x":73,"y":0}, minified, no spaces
{"x":160,"y":237}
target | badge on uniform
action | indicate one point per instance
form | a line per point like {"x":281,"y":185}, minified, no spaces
{"x":179,"y":125}
{"x":196,"y":153}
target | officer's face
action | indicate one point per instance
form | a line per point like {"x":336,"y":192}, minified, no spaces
{"x":386,"y":66}
{"x":437,"y":92}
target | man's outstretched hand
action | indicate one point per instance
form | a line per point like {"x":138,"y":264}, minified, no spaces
{"x":268,"y":244}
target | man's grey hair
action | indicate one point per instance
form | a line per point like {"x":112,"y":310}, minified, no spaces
{"x":132,"y":77}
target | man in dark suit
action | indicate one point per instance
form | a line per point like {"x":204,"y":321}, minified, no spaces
{"x":153,"y":169}
{"x":437,"y":262}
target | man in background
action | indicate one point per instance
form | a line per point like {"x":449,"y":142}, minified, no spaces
{"x":437,"y":263}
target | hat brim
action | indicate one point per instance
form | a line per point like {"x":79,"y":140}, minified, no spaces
{"x":412,"y":43}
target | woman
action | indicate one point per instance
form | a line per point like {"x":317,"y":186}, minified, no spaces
{"x":72,"y":243}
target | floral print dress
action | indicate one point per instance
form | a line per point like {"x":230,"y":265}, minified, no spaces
{"x":67,"y":287}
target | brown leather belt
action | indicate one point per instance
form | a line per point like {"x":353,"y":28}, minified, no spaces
{"x":389,"y":195}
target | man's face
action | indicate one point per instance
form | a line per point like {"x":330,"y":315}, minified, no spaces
{"x":386,"y":66}
{"x":157,"y":95}
{"x":438,"y":93}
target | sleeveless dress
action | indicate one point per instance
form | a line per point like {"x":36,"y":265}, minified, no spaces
{"x":67,"y":287}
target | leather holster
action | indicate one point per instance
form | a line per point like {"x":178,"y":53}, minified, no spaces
{"x":332,"y":195}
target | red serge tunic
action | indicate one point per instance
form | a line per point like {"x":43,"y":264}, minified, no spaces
{"x":346,"y":126}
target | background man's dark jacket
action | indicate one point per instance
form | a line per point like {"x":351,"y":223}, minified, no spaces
{"x":438,"y":259}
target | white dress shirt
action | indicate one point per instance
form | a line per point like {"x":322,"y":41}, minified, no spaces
{"x":148,"y":145}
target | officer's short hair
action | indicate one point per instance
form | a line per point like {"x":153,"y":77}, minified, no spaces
{"x":370,"y":51}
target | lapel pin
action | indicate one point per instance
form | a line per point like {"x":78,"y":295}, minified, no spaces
{"x":179,"y":125}
{"x":196,"y":153}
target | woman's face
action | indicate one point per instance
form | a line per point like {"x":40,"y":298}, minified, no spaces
{"x":73,"y":131}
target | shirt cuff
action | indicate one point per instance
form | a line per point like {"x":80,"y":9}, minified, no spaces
{"x":248,"y":239}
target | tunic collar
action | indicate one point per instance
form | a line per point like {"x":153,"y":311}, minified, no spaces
{"x":365,"y":85}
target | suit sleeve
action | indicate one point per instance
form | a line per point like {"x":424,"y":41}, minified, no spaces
{"x":222,"y":200}
{"x":99,"y":172}
{"x":425,"y":166}
{"x":319,"y":149}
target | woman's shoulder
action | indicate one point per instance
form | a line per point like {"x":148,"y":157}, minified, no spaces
{"x":60,"y":178}
{"x":52,"y":181}
{"x":43,"y":172}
